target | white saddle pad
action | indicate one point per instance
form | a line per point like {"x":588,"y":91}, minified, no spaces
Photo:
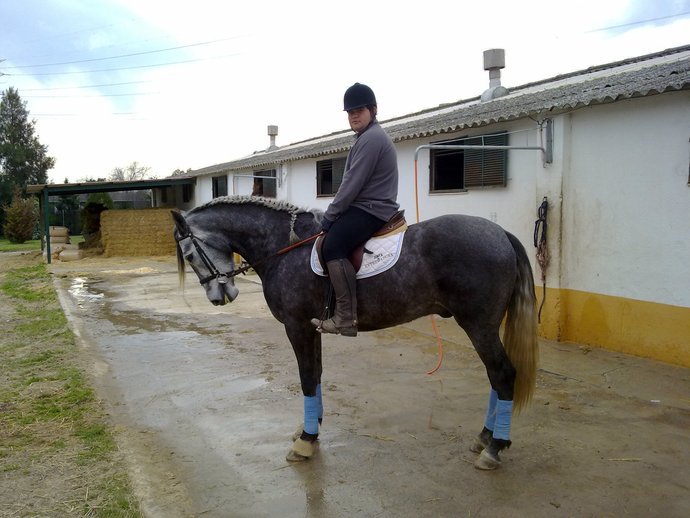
{"x":380,"y":254}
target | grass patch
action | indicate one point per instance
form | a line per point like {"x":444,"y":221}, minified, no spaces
{"x":51,"y":422}
{"x":27,"y":246}
{"x":31,"y":245}
{"x":22,"y":284}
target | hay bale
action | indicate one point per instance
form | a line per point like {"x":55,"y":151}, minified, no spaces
{"x":71,"y":255}
{"x":58,"y":240}
{"x":145,"y":232}
{"x":59,"y":232}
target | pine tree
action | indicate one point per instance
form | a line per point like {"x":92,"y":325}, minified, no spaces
{"x":21,"y":218}
{"x":23,"y":159}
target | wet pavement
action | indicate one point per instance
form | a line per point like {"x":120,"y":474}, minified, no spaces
{"x":204,"y":400}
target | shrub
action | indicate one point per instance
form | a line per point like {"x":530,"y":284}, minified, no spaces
{"x":21,"y":218}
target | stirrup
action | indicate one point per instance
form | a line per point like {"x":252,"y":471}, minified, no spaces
{"x":332,"y":328}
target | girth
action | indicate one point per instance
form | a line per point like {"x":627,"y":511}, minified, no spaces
{"x":396,"y":224}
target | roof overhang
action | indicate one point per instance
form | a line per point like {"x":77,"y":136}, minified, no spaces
{"x":89,"y":187}
{"x":45,"y":191}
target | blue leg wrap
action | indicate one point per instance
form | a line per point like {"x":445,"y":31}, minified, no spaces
{"x":491,"y":411}
{"x":311,"y":414}
{"x":318,"y":395}
{"x":504,"y":414}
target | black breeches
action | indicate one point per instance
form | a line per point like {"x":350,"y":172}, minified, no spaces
{"x":351,"y":229}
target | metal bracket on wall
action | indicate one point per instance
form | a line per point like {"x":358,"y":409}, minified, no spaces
{"x":547,"y":127}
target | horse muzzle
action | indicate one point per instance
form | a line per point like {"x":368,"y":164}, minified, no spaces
{"x":220,"y":293}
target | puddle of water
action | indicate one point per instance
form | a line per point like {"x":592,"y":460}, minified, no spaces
{"x":83,"y":292}
{"x":164,"y":361}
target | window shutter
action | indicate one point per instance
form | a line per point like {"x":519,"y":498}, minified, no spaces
{"x":338,"y":170}
{"x":323,"y":177}
{"x":485,"y":167}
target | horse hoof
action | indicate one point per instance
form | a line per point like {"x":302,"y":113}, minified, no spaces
{"x":295,"y":457}
{"x":486,"y":461}
{"x":301,"y":450}
{"x":478,"y":445}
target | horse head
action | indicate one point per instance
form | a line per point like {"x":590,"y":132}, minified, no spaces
{"x":214,"y":267}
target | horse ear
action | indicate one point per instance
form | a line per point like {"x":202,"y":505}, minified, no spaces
{"x":180,"y":222}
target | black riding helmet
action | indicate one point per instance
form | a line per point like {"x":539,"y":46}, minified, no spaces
{"x":357,"y":96}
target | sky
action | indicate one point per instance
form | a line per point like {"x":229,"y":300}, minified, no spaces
{"x":185,"y":85}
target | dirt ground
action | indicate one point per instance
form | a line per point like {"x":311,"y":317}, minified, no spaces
{"x":205,"y":400}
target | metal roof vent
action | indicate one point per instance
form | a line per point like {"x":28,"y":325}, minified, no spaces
{"x":272,"y":132}
{"x":494,"y":61}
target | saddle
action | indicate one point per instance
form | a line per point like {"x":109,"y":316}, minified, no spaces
{"x":393,"y":226}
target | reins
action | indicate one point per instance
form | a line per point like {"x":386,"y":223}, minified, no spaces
{"x":282,"y":251}
{"x":214,"y":273}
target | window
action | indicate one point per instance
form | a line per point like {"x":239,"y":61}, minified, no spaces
{"x":329,"y":175}
{"x":460,"y":169}
{"x":220,"y":186}
{"x":265,"y":183}
{"x":186,"y":193}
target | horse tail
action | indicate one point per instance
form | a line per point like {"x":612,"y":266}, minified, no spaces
{"x":520,"y":333}
{"x":180,"y":267}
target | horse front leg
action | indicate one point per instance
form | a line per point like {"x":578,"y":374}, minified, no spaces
{"x":306,"y":343}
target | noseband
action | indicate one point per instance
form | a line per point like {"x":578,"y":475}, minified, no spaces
{"x":214,"y":273}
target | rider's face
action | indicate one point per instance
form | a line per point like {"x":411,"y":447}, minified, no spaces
{"x":359,"y":118}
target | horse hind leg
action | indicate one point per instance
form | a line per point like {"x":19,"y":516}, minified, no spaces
{"x":495,"y":435}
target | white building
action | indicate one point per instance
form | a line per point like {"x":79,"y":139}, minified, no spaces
{"x":615,"y":170}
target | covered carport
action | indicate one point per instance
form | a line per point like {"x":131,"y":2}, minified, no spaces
{"x":45,"y":191}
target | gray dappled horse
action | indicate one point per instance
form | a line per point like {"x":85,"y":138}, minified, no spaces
{"x":455,"y":266}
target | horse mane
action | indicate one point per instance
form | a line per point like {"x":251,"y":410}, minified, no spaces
{"x":270,"y":203}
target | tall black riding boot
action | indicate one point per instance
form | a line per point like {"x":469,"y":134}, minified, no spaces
{"x":344,"y":280}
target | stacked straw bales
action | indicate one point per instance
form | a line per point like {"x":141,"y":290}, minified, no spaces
{"x":146,"y":232}
{"x":60,"y":247}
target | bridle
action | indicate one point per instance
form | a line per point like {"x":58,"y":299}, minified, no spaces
{"x":214,"y":273}
{"x":223,"y":277}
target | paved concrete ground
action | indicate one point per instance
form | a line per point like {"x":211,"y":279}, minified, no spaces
{"x":205,"y":400}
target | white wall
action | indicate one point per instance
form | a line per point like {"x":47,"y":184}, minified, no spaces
{"x":513,"y":207}
{"x":619,"y":181}
{"x":626,"y":202}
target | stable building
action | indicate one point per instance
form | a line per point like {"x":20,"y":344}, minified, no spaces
{"x":590,"y":170}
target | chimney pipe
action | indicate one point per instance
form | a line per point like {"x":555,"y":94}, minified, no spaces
{"x":272,"y":133}
{"x":494,"y":61}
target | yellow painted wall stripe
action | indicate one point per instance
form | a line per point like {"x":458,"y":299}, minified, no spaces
{"x":647,"y":329}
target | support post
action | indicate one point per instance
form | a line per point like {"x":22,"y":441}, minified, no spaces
{"x":46,"y":223}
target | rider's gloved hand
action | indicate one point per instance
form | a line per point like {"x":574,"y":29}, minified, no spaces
{"x":326,"y":224}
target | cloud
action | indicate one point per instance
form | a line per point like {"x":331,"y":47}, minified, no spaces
{"x":197,"y":83}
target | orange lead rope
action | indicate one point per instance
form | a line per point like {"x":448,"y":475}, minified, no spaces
{"x":431,"y":317}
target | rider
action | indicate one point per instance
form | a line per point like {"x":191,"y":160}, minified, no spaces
{"x":364,"y":202}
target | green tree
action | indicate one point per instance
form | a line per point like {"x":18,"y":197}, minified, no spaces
{"x":101,"y":198}
{"x":21,"y":218}
{"x":23,"y":159}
